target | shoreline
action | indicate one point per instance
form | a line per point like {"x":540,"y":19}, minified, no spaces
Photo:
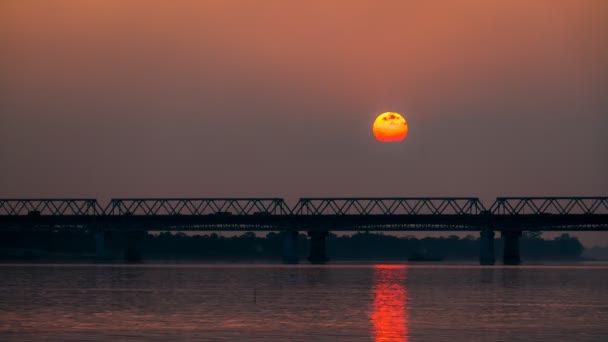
{"x":303,"y":261}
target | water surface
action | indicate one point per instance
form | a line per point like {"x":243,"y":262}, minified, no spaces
{"x":303,"y":303}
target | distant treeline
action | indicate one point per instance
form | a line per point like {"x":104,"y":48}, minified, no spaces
{"x":248,"y":246}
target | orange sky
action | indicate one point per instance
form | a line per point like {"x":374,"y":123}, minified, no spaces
{"x":372,"y":54}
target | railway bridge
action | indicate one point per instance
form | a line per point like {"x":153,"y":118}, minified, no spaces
{"x":317,"y":216}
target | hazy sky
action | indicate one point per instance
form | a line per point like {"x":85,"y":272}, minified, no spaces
{"x":115,"y":98}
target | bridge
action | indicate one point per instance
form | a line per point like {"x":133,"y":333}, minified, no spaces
{"x":316,"y":216}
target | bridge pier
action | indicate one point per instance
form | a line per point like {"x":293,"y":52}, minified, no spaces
{"x":317,"y":247}
{"x":100,"y":245}
{"x":131,"y":252}
{"x":511,"y":248}
{"x":290,"y":247}
{"x":486,"y":248}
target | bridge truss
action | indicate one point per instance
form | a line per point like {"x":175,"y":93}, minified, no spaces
{"x":389,"y":206}
{"x":198,"y":206}
{"x":550,"y":206}
{"x":52,"y":207}
{"x":339,"y":214}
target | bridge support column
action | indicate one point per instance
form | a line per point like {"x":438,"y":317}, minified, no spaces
{"x":131,"y":253}
{"x":290,"y":247}
{"x":511,"y":249}
{"x":486,"y":248}
{"x":317,"y":248}
{"x":100,"y":245}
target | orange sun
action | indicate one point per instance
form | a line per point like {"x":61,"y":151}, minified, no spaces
{"x":390,"y":127}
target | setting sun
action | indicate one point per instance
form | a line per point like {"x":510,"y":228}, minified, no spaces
{"x":390,"y":127}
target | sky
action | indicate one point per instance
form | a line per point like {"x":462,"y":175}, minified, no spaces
{"x":127,"y":98}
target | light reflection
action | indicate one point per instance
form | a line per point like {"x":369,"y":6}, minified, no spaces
{"x":389,"y":314}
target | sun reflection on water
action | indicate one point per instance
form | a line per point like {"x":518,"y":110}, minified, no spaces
{"x":389,"y":314}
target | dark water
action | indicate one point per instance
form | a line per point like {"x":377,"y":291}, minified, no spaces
{"x":303,"y":303}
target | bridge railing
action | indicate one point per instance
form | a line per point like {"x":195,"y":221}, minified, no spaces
{"x":389,"y":206}
{"x":52,"y":207}
{"x":197,"y":206}
{"x":550,"y":205}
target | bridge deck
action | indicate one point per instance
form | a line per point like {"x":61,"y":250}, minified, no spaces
{"x":336,"y":214}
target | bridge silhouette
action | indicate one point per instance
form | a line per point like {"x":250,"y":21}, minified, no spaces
{"x":316,"y":216}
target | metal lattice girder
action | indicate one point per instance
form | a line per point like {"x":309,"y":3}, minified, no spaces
{"x":550,"y":205}
{"x":54,"y":207}
{"x":197,"y":206}
{"x":389,"y":206}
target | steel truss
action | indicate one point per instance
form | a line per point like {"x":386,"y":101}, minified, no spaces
{"x":389,"y":206}
{"x":197,"y":206}
{"x":340,"y":214}
{"x":550,"y":206}
{"x":53,"y":207}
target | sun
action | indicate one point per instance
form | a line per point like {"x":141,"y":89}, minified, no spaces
{"x":390,"y":127}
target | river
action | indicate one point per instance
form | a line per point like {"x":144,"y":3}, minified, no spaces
{"x":220,"y":302}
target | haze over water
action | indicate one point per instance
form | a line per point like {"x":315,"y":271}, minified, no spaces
{"x":303,"y":303}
